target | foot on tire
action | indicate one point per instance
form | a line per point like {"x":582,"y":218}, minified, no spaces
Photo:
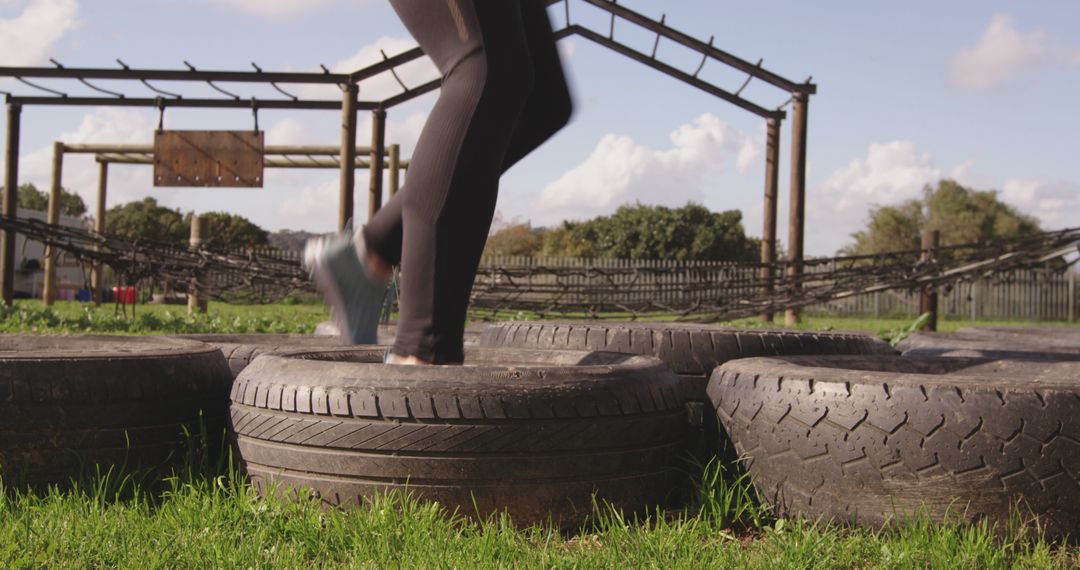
{"x":354,"y":293}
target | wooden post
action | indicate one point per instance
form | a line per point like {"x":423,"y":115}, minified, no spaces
{"x":768,"y":234}
{"x":196,"y":302}
{"x":974,"y":300}
{"x":1072,"y":296}
{"x":928,"y":297}
{"x":797,"y":209}
{"x":348,"y":155}
{"x":48,"y":292}
{"x":375,"y":163}
{"x":96,"y":277}
{"x":11,"y":204}
{"x":395,"y":168}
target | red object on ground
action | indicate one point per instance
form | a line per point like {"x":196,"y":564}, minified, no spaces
{"x":124,"y":295}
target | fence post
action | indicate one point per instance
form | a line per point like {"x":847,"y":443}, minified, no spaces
{"x":196,"y":303}
{"x":1072,"y":296}
{"x":928,"y":297}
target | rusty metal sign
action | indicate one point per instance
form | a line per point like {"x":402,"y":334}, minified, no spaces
{"x":208,"y":158}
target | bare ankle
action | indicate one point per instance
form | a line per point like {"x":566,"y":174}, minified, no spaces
{"x":406,"y":360}
{"x":375,"y":265}
{"x":379,"y":267}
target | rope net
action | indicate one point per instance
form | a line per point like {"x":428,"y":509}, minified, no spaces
{"x":696,"y":291}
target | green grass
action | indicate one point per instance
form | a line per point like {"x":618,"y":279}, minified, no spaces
{"x":30,"y":316}
{"x":208,"y":519}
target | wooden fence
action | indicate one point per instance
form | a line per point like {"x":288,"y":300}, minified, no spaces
{"x":1018,"y":295}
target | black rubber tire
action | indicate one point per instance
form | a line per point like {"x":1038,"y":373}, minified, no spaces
{"x":863,"y":440}
{"x":70,"y":404}
{"x":691,"y":350}
{"x":535,"y":433}
{"x":998,"y":342}
{"x":240,"y":349}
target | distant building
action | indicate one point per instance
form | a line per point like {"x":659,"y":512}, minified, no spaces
{"x":30,"y":263}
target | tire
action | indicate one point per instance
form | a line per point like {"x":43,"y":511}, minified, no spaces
{"x":240,"y":349}
{"x":534,"y":433}
{"x":70,"y":405}
{"x":692,"y":351}
{"x":1037,"y":343}
{"x":864,"y":440}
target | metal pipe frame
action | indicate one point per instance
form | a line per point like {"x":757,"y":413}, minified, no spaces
{"x":706,"y":49}
{"x":304,"y":163}
{"x":673,"y":72}
{"x":349,"y":105}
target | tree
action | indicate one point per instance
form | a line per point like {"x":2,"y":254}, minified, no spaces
{"x":30,"y":198}
{"x":515,"y":239}
{"x":891,"y":228}
{"x":961,"y":214}
{"x":691,"y":232}
{"x":230,"y":230}
{"x":146,"y":219}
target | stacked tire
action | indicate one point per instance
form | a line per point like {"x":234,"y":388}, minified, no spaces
{"x":240,"y":349}
{"x":538,"y":434}
{"x":692,"y":351}
{"x":873,"y":440}
{"x":75,"y":406}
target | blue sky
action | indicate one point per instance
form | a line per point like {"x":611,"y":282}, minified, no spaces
{"x":982,"y":91}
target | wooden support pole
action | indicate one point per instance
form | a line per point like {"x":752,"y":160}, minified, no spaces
{"x":768,"y":234}
{"x":378,"y":147}
{"x":48,"y":291}
{"x":97,"y":276}
{"x":196,"y":302}
{"x":348,"y":155}
{"x":928,"y":297}
{"x":394,"y":169}
{"x":11,"y":204}
{"x":797,"y":218}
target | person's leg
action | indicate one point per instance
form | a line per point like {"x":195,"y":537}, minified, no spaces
{"x":449,"y":197}
{"x":547,"y":109}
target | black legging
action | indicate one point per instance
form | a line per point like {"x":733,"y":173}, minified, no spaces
{"x":503,"y":94}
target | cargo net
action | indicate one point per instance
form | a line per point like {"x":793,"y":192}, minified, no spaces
{"x":698,"y":291}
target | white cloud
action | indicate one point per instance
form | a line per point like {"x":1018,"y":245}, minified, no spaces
{"x":889,"y":174}
{"x":621,"y":171}
{"x":314,"y":207}
{"x":80,"y":174}
{"x":1003,"y":52}
{"x":273,"y":8}
{"x":1056,"y":203}
{"x":29,"y":38}
{"x":567,"y":49}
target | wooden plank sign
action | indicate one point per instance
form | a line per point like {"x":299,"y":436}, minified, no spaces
{"x":208,"y":158}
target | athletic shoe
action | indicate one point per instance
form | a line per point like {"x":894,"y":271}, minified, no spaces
{"x":355,"y":297}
